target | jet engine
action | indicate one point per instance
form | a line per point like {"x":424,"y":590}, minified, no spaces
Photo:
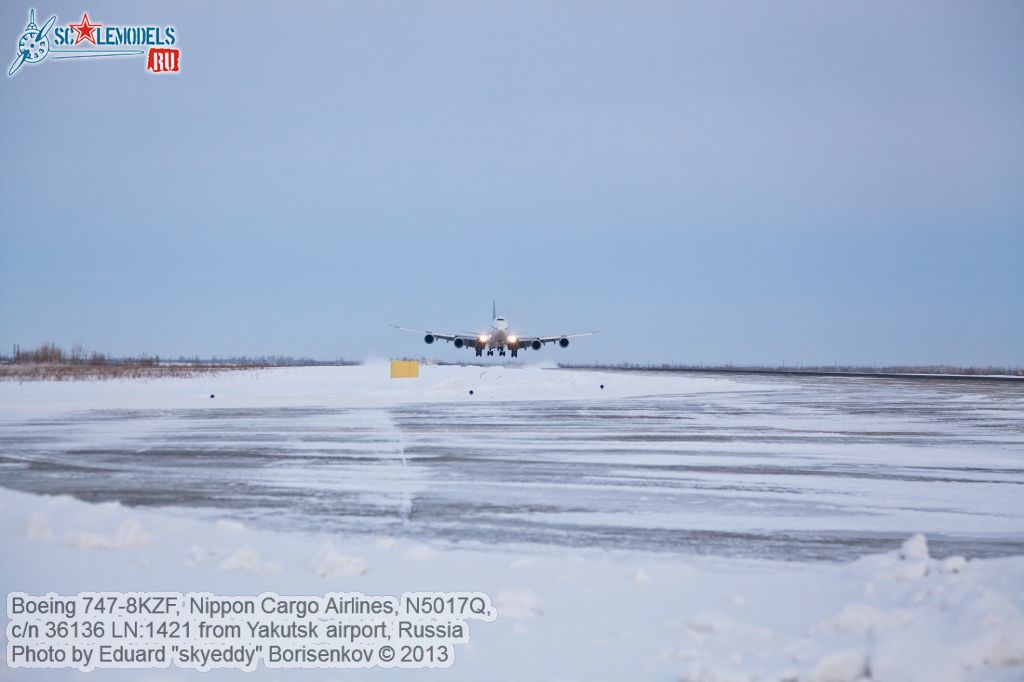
{"x":459,"y":343}
{"x":563,"y":342}
{"x":429,"y":338}
{"x":536,"y":344}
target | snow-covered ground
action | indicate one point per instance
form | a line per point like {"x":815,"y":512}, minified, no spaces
{"x":665,"y":526}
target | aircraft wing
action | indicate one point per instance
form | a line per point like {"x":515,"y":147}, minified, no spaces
{"x":467,"y":339}
{"x":527,"y":341}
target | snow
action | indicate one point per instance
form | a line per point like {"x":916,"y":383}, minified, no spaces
{"x":569,"y":615}
{"x":128,"y":534}
{"x":247,"y":558}
{"x":915,"y":548}
{"x":353,"y":386}
{"x":329,"y":562}
{"x":518,"y":604}
{"x":843,"y":666}
{"x":745,"y":475}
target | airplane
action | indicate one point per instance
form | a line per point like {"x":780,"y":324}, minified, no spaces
{"x":499,"y":338}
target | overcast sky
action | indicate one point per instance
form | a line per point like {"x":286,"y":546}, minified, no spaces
{"x":705,"y":182}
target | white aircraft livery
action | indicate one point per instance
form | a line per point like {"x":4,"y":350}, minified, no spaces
{"x":499,"y":338}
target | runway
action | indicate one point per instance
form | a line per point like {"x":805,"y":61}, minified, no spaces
{"x":791,"y":468}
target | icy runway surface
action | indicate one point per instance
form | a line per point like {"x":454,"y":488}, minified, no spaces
{"x":795,"y":468}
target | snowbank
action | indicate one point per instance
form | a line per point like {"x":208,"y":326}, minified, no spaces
{"x":562,"y":615}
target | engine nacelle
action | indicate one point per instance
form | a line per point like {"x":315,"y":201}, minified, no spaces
{"x":563,"y":342}
{"x":459,"y":343}
{"x":429,"y":338}
{"x":536,"y":344}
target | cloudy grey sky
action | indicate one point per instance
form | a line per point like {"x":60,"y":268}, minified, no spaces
{"x":704,"y":181}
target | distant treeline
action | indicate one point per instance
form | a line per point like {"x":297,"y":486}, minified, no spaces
{"x":50,"y":357}
{"x":861,"y":370}
{"x":262,"y":361}
{"x":52,"y":354}
{"x":51,"y":362}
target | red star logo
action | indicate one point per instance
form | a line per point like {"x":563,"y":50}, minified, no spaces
{"x":85,"y":30}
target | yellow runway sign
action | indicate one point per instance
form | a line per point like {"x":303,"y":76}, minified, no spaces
{"x":405,"y":369}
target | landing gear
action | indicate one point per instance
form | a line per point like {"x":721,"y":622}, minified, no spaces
{"x":479,"y":352}
{"x":514,"y":352}
{"x":490,"y":352}
{"x":501,"y":352}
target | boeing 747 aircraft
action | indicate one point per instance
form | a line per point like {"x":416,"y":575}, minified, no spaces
{"x":499,"y":338}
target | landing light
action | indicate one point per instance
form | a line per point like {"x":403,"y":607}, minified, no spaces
{"x":513,"y":338}
{"x":484,"y":338}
